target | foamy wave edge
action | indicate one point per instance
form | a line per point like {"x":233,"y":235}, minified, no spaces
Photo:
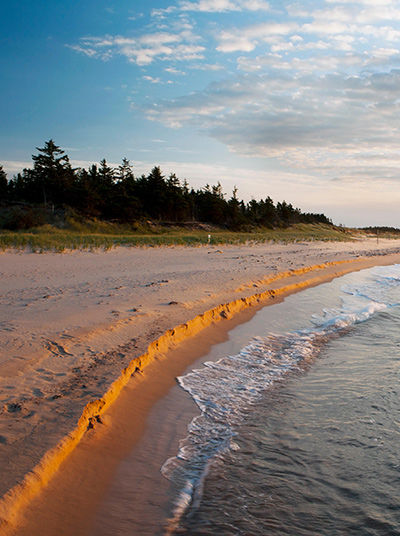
{"x":18,"y":497}
{"x":224,"y":391}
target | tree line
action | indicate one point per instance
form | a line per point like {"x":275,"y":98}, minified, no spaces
{"x":115,"y":194}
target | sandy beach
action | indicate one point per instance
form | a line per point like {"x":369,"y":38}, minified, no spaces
{"x":72,"y":322}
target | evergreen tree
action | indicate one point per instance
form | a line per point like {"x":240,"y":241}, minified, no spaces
{"x":217,"y":190}
{"x":127,"y":205}
{"x":178,"y":205}
{"x":125,"y":171}
{"x":106,"y":175}
{"x":236,"y":216}
{"x":153,"y":193}
{"x":210,"y":205}
{"x":52,"y":172}
{"x":263,"y":213}
{"x":3,"y":185}
{"x":104,"y":192}
{"x":26,"y":187}
{"x":287,"y":213}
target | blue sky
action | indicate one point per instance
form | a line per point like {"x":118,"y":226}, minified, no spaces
{"x":296,"y":100}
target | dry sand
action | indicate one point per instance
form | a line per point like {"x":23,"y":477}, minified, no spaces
{"x":72,"y":321}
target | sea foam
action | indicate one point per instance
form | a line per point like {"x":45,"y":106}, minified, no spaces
{"x":225,"y":390}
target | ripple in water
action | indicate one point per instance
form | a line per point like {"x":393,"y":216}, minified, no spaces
{"x":314,"y":454}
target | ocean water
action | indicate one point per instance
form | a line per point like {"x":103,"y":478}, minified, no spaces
{"x":298,"y":433}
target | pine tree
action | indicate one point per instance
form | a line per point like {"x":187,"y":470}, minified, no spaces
{"x":236,"y":218}
{"x":106,"y":174}
{"x":3,"y":184}
{"x":125,"y":172}
{"x":53,"y":172}
{"x":102,"y":182}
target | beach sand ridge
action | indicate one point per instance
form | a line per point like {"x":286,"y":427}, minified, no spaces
{"x":71,"y":322}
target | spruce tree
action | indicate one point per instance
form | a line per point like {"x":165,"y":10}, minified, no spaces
{"x":53,"y":173}
{"x":3,"y":184}
{"x":125,"y":172}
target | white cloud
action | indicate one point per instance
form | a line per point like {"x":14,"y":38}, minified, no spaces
{"x":372,"y":13}
{"x":256,"y":5}
{"x":152,"y":80}
{"x":313,"y":86}
{"x":343,"y":200}
{"x":326,"y":63}
{"x":341,"y":27}
{"x":362,"y":2}
{"x":172,"y":70}
{"x":321,"y":27}
{"x":318,"y":123}
{"x":91,"y":52}
{"x":209,"y":5}
{"x":136,"y":16}
{"x":246,"y":39}
{"x":12,"y":167}
{"x":144,"y":49}
{"x":212,"y":6}
{"x":234,"y":42}
{"x":246,"y":179}
{"x":206,"y":67}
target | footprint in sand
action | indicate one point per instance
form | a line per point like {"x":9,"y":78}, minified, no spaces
{"x":13,"y":407}
{"x":55,"y":348}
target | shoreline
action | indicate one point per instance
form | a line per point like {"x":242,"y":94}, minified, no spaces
{"x":212,"y":325}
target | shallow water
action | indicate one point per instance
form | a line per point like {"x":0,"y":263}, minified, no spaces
{"x":298,"y":432}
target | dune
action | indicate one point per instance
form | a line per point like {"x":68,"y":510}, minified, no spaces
{"x":88,"y":335}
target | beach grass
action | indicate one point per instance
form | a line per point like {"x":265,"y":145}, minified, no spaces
{"x":106,"y":236}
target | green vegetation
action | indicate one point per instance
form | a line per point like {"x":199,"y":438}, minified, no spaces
{"x":47,"y":238}
{"x":52,"y":206}
{"x":102,"y":192}
{"x":381,"y":232}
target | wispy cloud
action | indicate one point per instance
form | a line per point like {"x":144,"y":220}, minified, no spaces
{"x":224,"y":5}
{"x":312,"y":85}
{"x":300,"y":121}
{"x":143,"y":50}
{"x":152,"y":79}
{"x":11,"y":167}
{"x":90,"y":51}
{"x":207,"y":67}
{"x":247,"y":38}
{"x":173,"y":70}
{"x":213,"y":6}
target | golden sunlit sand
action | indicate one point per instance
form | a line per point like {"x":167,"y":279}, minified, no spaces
{"x":80,"y":327}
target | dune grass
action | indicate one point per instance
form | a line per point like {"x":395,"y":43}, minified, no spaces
{"x":106,"y":236}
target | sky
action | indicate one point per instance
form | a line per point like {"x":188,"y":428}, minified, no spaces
{"x":298,"y":101}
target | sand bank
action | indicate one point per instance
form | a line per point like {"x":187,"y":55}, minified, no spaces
{"x":75,"y":320}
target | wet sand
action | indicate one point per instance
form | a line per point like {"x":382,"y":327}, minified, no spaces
{"x":69,"y":503}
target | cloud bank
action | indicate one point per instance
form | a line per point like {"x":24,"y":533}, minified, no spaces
{"x":311,"y":85}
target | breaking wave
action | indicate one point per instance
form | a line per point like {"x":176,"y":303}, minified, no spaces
{"x":225,"y":390}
